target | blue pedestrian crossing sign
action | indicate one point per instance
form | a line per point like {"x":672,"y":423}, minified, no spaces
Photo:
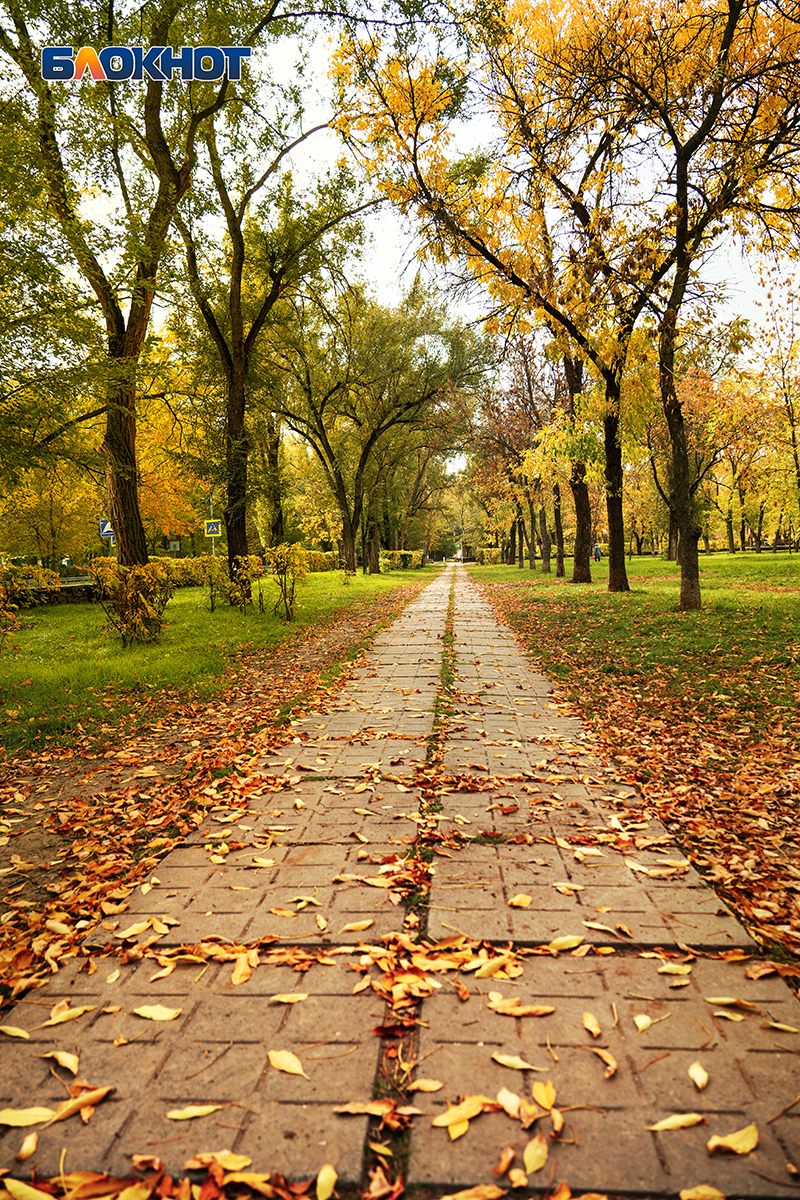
{"x":105,"y":528}
{"x":213,"y":528}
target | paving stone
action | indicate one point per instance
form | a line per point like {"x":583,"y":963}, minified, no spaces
{"x":295,"y":1140}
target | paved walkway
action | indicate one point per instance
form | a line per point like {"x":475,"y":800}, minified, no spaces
{"x":520,"y":810}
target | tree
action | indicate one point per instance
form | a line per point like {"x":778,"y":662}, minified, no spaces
{"x":135,"y":148}
{"x":358,"y":373}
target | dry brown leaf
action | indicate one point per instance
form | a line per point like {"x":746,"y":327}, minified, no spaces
{"x":591,"y":1023}
{"x":741,"y":1142}
{"x":28,"y":1147}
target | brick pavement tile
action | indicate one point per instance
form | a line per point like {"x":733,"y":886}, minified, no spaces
{"x":295,"y":1140}
{"x":336,"y":1073}
{"x":204,"y":1072}
{"x":666,"y":1085}
{"x":493,"y":926}
{"x":331,"y":1019}
{"x":95,"y":1143}
{"x":688,"y":1162}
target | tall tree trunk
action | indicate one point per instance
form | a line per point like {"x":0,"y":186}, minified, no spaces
{"x":672,"y":540}
{"x":617,"y":575}
{"x":236,"y":453}
{"x":274,"y":486}
{"x":521,"y":540}
{"x":581,"y":569}
{"x":546,"y":543}
{"x":122,"y":481}
{"x":729,"y":528}
{"x":348,"y":543}
{"x":559,"y":531}
{"x":532,"y":538}
{"x":373,"y":543}
{"x":512,"y":544}
{"x":681,"y":497}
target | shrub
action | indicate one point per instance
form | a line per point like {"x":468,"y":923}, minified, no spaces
{"x":134,"y":598}
{"x":289,"y":565}
{"x":8,"y":617}
{"x":487,"y":555}
{"x":247,"y":568}
{"x":26,"y":586}
{"x":401,"y":560}
{"x":209,"y":571}
{"x":320,"y":560}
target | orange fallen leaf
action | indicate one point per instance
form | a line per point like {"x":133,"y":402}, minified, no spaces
{"x":591,"y":1023}
{"x":741,"y":1142}
{"x":506,"y":1159}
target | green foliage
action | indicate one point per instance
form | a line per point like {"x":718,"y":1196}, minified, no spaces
{"x":247,"y":570}
{"x":8,"y":616}
{"x":289,"y":564}
{"x":320,"y":560}
{"x":402,"y":560}
{"x":210,"y":572}
{"x":134,"y":598}
{"x":26,"y":586}
{"x":487,"y":555}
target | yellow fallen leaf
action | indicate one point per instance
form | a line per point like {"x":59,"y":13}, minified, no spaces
{"x":288,"y":997}
{"x":191,"y":1111}
{"x":86,"y":1100}
{"x":326,"y":1182}
{"x":23,"y":1191}
{"x":134,"y":930}
{"x":591,"y":1023}
{"x":515,"y":1062}
{"x":64,"y":1059}
{"x":732,"y":1002}
{"x":520,"y":901}
{"x":544,"y":1093}
{"x":558,"y":1120}
{"x":534,"y":1156}
{"x":729,"y":1016}
{"x":157,"y":1012}
{"x":565,"y":943}
{"x":379,"y":1148}
{"x":457,"y":1129}
{"x":777,"y":1025}
{"x":226,"y":1159}
{"x":242,"y":970}
{"x":517,"y":1177}
{"x":741,"y":1142}
{"x":608,"y":1059}
{"x":264,"y":862}
{"x":493,"y":965}
{"x":698,"y":1075}
{"x":357,"y":926}
{"x":284,"y":1060}
{"x":509,"y":1102}
{"x":425,"y":1085}
{"x":469,"y":1107}
{"x":28,"y":1147}
{"x":702,"y":1192}
{"x":675,"y":969}
{"x":506,"y":1159}
{"x":20,"y":1117}
{"x":67,"y":1014}
{"x":642,"y":1021}
{"x":677,"y":1121}
{"x":321,"y":922}
{"x":484,"y":1191}
{"x":14,"y":1031}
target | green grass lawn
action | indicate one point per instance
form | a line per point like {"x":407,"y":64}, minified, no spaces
{"x":740,"y":652}
{"x":64,"y":674}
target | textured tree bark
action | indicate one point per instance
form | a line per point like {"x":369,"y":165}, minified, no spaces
{"x":581,"y":569}
{"x":236,"y":453}
{"x":544,"y":534}
{"x":617,"y":575}
{"x":122,"y":478}
{"x":559,"y":528}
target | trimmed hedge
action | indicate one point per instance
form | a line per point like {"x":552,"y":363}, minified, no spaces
{"x":401,"y":560}
{"x":26,"y":586}
{"x":487,"y":556}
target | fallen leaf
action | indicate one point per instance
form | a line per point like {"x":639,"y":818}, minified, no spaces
{"x":264,"y":862}
{"x":591,"y":1023}
{"x":677,"y":1121}
{"x":23,"y":1191}
{"x":28,"y":1147}
{"x":469,"y":1107}
{"x":66,"y":1014}
{"x":241,"y":971}
{"x":226,"y":1159}
{"x":741,"y":1142}
{"x":506,"y":1159}
{"x":520,"y":901}
{"x":517,"y":1177}
{"x":326,"y":1182}
{"x":14,"y":1031}
{"x":425,"y":1085}
{"x":191,"y":1111}
{"x":515,"y":1062}
{"x":698,"y":1075}
{"x":544,"y":1093}
{"x":357,"y":926}
{"x":675,"y":969}
{"x":777,"y":1025}
{"x":564,"y":943}
{"x":732,"y":1002}
{"x":288,"y":997}
{"x":88,"y":1099}
{"x":157,"y":1012}
{"x":728,"y":1015}
{"x":702,"y":1192}
{"x":20,"y":1117}
{"x":608,"y":1059}
{"x":64,"y":1059}
{"x":509,"y":1102}
{"x":284,"y":1060}
{"x":534,"y":1156}
{"x":484,"y":1191}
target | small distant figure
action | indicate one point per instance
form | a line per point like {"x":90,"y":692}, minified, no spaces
{"x":597,"y":553}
